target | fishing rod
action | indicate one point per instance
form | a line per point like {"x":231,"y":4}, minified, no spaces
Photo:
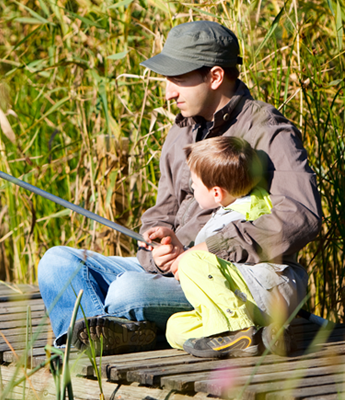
{"x":77,"y":209}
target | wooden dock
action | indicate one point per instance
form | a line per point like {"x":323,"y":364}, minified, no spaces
{"x":314,"y":372}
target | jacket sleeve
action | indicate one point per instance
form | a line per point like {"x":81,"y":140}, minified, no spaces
{"x":295,"y":218}
{"x":164,"y":211}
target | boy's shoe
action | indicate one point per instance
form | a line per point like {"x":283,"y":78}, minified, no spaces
{"x":244,"y":343}
{"x":283,"y":345}
{"x":120,"y":335}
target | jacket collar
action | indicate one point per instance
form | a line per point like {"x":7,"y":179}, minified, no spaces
{"x":222,"y":116}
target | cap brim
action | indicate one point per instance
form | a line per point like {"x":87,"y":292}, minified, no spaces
{"x":168,"y":66}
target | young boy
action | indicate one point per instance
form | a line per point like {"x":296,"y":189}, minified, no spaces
{"x":225,"y":171}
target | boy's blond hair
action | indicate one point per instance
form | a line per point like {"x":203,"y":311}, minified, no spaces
{"x":225,"y":161}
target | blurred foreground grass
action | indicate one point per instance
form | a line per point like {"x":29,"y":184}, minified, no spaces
{"x":86,"y":122}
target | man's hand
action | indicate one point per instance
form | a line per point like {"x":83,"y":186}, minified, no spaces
{"x":170,"y":248}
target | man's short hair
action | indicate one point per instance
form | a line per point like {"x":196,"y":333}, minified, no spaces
{"x":228,"y":162}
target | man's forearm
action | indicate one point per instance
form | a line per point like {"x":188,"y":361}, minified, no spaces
{"x":270,"y":238}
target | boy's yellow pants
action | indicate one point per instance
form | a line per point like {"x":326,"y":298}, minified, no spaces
{"x":220,"y":297}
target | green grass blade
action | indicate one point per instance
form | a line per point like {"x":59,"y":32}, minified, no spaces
{"x":35,"y":15}
{"x":273,"y":27}
{"x":339,"y":27}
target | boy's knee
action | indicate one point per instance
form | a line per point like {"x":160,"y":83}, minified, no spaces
{"x":190,"y":262}
{"x":174,"y":333}
{"x":182,"y":326}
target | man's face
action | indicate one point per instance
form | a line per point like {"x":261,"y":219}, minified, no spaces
{"x":202,"y":194}
{"x":193,"y":95}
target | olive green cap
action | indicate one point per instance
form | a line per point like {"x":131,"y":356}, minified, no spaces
{"x":193,"y":45}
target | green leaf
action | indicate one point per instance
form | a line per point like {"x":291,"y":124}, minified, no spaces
{"x":34,"y":14}
{"x":103,"y":95}
{"x":330,"y":6}
{"x":55,"y":107}
{"x":110,"y":191}
{"x":44,"y":7}
{"x":199,"y":10}
{"x":271,"y":30}
{"x":118,"y":56}
{"x":86,"y":21}
{"x":336,"y":82}
{"x":160,"y":4}
{"x":35,"y":65}
{"x":120,"y":3}
{"x":62,"y":213}
{"x":27,"y":20}
{"x":26,"y":38}
{"x":339,"y":27}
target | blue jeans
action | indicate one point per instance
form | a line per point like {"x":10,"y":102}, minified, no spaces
{"x":114,"y":286}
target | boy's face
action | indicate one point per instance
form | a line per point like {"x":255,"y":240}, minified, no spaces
{"x":203,"y":195}
{"x":193,"y":94}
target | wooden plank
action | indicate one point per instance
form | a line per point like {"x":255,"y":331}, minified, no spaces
{"x":84,"y":389}
{"x":119,"y":358}
{"x":305,"y":385}
{"x":179,"y":378}
{"x":20,"y":331}
{"x":334,"y":396}
{"x":18,"y":324}
{"x":320,"y":392}
{"x":118,"y":372}
{"x":21,"y":303}
{"x":178,"y":382}
{"x":38,"y":354}
{"x":155,"y":376}
{"x":19,"y":297}
{"x":20,"y":346}
{"x":18,"y":339}
{"x":20,"y":316}
{"x":10,"y":288}
{"x":12,"y":308}
{"x":263,"y":377}
{"x":322,"y":334}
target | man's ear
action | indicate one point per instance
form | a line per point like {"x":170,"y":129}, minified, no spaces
{"x":217,"y":77}
{"x":218,"y":194}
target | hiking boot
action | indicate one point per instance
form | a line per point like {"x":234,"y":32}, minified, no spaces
{"x":244,"y":343}
{"x":282,"y":345}
{"x":120,"y":335}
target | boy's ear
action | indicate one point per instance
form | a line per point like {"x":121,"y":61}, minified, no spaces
{"x":218,"y":194}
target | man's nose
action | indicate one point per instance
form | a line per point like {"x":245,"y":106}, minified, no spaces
{"x":171,"y":91}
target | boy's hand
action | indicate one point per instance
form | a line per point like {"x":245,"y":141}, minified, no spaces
{"x":169,"y":250}
{"x":174,"y":267}
{"x":175,"y":264}
{"x":165,"y":255}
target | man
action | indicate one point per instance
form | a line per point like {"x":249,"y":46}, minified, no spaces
{"x":199,"y":60}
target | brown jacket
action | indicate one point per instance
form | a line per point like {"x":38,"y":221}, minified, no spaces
{"x":296,"y":215}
